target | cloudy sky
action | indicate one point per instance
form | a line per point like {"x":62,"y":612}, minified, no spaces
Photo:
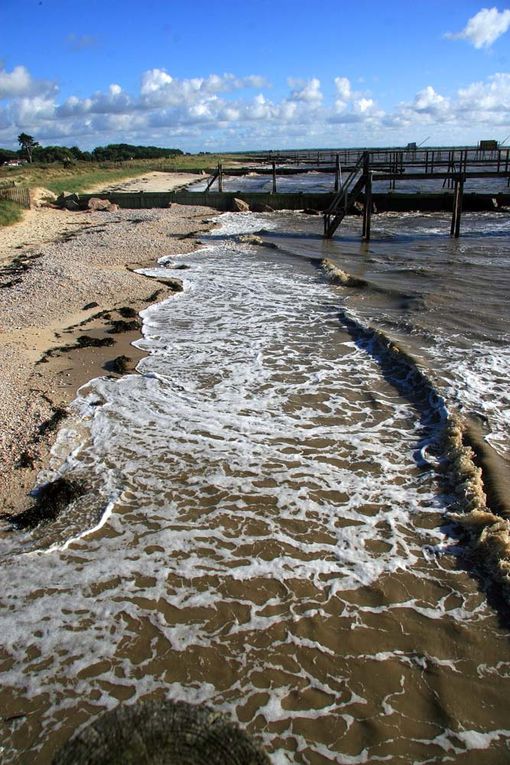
{"x":227,"y":75}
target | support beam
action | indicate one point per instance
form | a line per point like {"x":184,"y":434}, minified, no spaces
{"x":220,"y":177}
{"x":274,"y":177}
{"x":337,"y":172}
{"x":367,"y":210}
{"x":457,"y":206}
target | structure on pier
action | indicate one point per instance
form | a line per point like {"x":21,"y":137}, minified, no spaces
{"x":453,"y":167}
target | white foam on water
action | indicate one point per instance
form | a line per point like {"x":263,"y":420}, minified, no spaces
{"x":478,"y":383}
{"x":263,"y":486}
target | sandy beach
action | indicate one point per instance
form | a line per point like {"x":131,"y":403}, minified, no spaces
{"x":69,"y":303}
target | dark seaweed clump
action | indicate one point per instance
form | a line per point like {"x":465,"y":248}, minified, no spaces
{"x":154,"y":296}
{"x":86,"y":341}
{"x":119,"y":365}
{"x":59,"y":413}
{"x":121,"y":325}
{"x":127,"y":312}
{"x":51,"y":500}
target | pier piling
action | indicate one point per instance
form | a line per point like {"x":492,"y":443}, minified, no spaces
{"x":457,"y":206}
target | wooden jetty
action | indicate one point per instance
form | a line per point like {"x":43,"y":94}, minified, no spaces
{"x":355,"y":172}
{"x":454,"y":167}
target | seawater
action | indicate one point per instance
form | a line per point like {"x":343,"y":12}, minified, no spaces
{"x":264,"y":529}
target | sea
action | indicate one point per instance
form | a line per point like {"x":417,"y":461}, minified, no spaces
{"x":285,"y":516}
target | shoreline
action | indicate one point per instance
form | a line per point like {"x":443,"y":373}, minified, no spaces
{"x":69,"y":305}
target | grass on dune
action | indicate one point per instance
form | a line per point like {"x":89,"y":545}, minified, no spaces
{"x":10,"y":212}
{"x":85,"y":175}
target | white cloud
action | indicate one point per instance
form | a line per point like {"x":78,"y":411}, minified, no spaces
{"x":308,"y":91}
{"x":154,"y":80}
{"x":343,"y":88}
{"x":428,"y":100}
{"x":491,"y":96}
{"x":484,"y":27}
{"x":20,"y":83}
{"x":29,"y":112}
{"x":353,"y":106}
{"x":220,"y":110}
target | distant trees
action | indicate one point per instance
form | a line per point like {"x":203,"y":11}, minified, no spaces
{"x":120,"y":152}
{"x":6,"y":155}
{"x":114,"y":152}
{"x":27,"y":144}
{"x":48,"y":154}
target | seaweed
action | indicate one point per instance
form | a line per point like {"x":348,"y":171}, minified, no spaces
{"x":86,"y":341}
{"x":51,"y":500}
{"x":154,"y":296}
{"x":59,"y":413}
{"x":15,"y":270}
{"x":119,"y":365}
{"x":121,"y":325}
{"x":127,"y":312}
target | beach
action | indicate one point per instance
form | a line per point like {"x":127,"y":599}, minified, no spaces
{"x":60,"y":273}
{"x":281,"y":514}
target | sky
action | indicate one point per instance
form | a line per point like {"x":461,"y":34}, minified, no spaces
{"x":225,"y":75}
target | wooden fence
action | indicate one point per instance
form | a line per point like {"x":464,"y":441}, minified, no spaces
{"x":15,"y":194}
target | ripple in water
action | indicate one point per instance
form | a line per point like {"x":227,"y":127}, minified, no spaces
{"x":270,"y":546}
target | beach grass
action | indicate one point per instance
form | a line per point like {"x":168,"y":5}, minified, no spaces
{"x":10,"y":212}
{"x":81,"y":176}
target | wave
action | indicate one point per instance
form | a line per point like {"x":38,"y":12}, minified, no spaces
{"x":468,"y":465}
{"x":344,"y":279}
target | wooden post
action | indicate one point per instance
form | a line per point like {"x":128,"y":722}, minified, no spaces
{"x":220,"y":176}
{"x":274,"y":177}
{"x":457,"y":206}
{"x":337,"y":172}
{"x":367,"y":210}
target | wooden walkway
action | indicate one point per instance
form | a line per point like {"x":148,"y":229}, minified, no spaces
{"x":453,"y":167}
{"x":355,"y":172}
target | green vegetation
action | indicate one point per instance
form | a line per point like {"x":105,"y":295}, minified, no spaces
{"x":81,"y":176}
{"x":61,"y":169}
{"x":10,"y":212}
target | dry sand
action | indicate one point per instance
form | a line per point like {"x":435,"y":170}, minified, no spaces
{"x":53,"y":266}
{"x":157,"y":181}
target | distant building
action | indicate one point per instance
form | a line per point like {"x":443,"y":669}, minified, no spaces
{"x":488,"y":145}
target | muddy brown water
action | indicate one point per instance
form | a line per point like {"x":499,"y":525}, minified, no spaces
{"x":264,"y":529}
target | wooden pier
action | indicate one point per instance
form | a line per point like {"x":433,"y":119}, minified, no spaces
{"x":355,"y":173}
{"x":454,"y":167}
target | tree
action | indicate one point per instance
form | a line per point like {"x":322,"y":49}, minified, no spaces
{"x":27,"y":144}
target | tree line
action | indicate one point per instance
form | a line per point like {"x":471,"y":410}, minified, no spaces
{"x":32,"y":151}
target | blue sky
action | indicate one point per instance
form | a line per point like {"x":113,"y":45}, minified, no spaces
{"x":205,"y":76}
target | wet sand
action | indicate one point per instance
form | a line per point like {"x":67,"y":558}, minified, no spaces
{"x":63,"y":276}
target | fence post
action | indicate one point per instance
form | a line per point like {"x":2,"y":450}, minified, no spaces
{"x":367,"y":210}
